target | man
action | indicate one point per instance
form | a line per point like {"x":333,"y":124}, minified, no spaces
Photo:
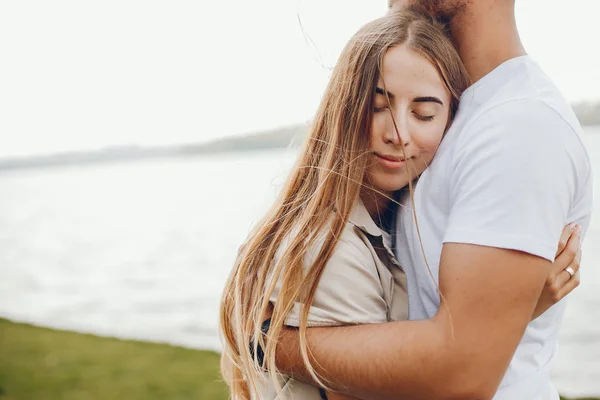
{"x":510,"y":173}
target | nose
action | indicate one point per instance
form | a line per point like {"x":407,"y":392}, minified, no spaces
{"x":397,"y":132}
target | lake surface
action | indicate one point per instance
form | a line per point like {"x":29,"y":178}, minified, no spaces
{"x":142,"y":250}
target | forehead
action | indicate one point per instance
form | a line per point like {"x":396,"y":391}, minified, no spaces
{"x":407,"y":73}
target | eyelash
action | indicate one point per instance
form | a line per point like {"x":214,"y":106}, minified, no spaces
{"x":424,"y":117}
{"x":420,"y":117}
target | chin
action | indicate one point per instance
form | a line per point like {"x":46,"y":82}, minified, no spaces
{"x":386,"y":182}
{"x":389,"y":187}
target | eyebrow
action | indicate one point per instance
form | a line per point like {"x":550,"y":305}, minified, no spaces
{"x":379,"y":90}
{"x":427,"y":100}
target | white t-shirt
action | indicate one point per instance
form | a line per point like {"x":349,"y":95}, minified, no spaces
{"x":510,"y":173}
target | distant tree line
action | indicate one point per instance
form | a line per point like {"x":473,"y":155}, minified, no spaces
{"x":588,"y":113}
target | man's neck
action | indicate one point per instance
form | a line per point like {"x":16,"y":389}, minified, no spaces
{"x":486,"y":35}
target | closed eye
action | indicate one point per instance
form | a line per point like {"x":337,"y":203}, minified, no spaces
{"x":424,"y":117}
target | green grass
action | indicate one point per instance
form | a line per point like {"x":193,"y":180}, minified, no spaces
{"x":46,"y":364}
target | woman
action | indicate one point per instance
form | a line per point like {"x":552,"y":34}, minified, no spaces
{"x":323,"y":254}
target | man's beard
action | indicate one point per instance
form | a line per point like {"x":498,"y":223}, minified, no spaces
{"x":442,"y":10}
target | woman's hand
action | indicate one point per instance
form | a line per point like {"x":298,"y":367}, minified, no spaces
{"x":560,"y":282}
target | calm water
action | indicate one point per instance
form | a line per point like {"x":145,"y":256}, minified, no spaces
{"x":142,"y":250}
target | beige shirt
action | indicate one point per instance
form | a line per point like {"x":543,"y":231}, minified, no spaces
{"x":362,"y":283}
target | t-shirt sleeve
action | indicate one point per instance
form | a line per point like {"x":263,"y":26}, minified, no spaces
{"x":514,"y":179}
{"x":349,"y":292}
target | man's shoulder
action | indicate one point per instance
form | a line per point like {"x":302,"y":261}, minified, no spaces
{"x":527,"y":95}
{"x":535,"y":121}
{"x":525,"y":122}
{"x":527,"y":115}
{"x":531,"y":134}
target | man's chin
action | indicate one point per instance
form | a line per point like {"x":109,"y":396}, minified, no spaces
{"x":416,"y":5}
{"x":442,"y":10}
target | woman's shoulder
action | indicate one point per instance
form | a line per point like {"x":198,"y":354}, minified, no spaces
{"x":350,"y":290}
{"x":351,"y":247}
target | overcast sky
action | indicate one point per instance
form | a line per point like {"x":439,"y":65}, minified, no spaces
{"x":89,"y":74}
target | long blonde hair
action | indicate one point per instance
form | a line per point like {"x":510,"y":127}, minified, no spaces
{"x":318,"y":197}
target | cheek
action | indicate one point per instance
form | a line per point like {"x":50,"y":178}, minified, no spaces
{"x":429,"y":146}
{"x":428,"y":142}
{"x":377,"y":128}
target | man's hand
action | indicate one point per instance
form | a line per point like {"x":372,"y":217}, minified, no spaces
{"x":559,"y":282}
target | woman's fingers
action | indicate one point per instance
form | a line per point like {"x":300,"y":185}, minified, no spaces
{"x":557,"y":269}
{"x":564,"y":276}
{"x":563,"y":284}
{"x":569,"y":286}
{"x":569,"y":253}
{"x":564,"y":237}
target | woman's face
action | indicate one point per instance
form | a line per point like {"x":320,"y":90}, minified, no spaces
{"x":420,"y":104}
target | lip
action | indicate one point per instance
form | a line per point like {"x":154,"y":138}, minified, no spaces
{"x":391,"y":162}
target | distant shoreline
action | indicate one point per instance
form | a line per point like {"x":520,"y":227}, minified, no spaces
{"x":290,"y":136}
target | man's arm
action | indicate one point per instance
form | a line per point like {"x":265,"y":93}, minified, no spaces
{"x":558,"y":283}
{"x":462,"y":352}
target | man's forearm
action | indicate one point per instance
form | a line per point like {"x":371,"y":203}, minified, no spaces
{"x":356,"y":360}
{"x":492,"y":293}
